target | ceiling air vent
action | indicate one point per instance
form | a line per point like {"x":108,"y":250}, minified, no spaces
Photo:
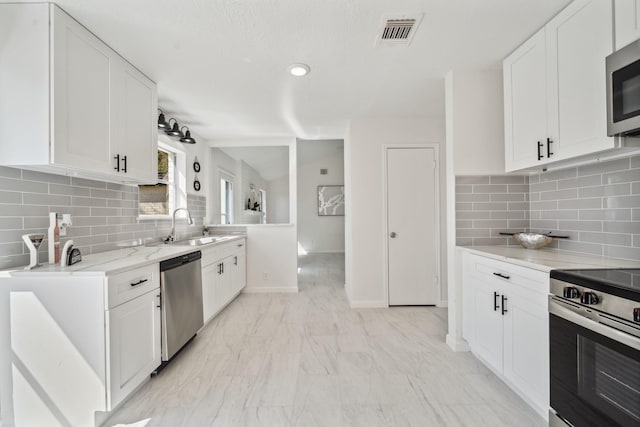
{"x":398,"y":30}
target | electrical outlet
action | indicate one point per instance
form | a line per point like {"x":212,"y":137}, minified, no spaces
{"x":265,"y":277}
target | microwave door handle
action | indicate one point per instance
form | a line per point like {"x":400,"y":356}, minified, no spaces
{"x":599,"y":328}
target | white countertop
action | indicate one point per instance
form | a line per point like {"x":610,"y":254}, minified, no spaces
{"x":116,"y":261}
{"x":548,"y":259}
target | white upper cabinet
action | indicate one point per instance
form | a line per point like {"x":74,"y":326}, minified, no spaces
{"x":525,"y":102}
{"x":135,"y":126}
{"x":81,"y":73}
{"x":555,"y":93}
{"x":627,"y":21}
{"x":94,"y":112}
{"x":578,"y":41}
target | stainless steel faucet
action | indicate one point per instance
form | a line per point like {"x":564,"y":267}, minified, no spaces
{"x":172,"y":237}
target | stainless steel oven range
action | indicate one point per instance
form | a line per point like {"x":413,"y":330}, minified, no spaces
{"x":594,"y":331}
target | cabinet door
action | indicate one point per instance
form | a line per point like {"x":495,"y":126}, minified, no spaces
{"x":239,"y":271}
{"x":487,"y":325}
{"x":81,"y":67}
{"x":135,"y":131}
{"x":526,"y":346}
{"x":226,"y":286}
{"x":134,"y":345}
{"x":210,"y":299}
{"x":525,"y":103}
{"x":627,"y":22}
{"x":578,"y":40}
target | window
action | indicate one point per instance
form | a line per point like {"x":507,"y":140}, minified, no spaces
{"x":159,"y":199}
{"x":226,"y":199}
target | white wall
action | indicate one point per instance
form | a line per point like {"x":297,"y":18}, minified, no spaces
{"x":477,"y":122}
{"x":364,"y":227}
{"x":474,"y":109}
{"x":248,"y":177}
{"x":277,"y":201}
{"x":319,"y":233}
{"x":272,"y":261}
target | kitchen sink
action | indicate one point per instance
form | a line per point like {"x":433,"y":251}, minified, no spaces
{"x":199,"y":241}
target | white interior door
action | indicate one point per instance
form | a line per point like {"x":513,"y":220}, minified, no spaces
{"x":412,"y":226}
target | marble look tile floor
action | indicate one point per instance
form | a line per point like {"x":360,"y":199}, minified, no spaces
{"x":307,"y":359}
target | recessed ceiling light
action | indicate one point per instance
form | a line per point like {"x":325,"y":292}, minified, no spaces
{"x":299,"y":70}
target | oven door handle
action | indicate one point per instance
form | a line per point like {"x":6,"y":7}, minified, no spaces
{"x":592,"y":325}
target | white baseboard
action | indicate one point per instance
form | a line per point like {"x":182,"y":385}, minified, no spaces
{"x":368,"y":304}
{"x":269,"y":290}
{"x":443,"y":304}
{"x":457,"y":345}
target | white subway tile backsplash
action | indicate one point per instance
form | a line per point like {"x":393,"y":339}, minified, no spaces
{"x":596,"y":205}
{"x":104,"y":215}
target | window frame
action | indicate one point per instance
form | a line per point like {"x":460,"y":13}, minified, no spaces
{"x":176,"y":183}
{"x":223,"y":175}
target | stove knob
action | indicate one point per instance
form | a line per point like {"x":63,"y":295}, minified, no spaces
{"x":571,"y":292}
{"x":589,"y":298}
{"x":636,"y":314}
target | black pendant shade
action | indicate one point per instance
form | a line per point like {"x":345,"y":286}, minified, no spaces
{"x":187,"y":137}
{"x":175,"y":130}
{"x":162,"y":122}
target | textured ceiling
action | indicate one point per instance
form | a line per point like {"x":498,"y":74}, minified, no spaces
{"x":221,"y":65}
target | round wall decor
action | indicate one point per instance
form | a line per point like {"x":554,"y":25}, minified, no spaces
{"x":196,"y":184}
{"x":196,"y":165}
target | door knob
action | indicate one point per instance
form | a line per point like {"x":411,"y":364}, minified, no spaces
{"x":392,"y":234}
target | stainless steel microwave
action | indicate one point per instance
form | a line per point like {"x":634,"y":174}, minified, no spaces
{"x":623,"y":91}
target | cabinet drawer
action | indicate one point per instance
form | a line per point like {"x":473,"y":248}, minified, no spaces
{"x":125,"y":286}
{"x":232,"y":248}
{"x":521,"y":277}
{"x":209,"y":255}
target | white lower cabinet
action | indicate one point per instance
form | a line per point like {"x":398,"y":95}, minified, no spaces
{"x":74,"y":346}
{"x":508,"y":329}
{"x":223,"y":276}
{"x":134,"y":344}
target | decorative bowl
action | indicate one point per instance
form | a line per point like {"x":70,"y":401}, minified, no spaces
{"x":533,"y":240}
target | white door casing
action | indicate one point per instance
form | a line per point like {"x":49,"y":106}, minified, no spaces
{"x":411,"y":215}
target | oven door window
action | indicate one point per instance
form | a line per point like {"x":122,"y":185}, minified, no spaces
{"x":626,"y":92}
{"x":595,"y":381}
{"x":609,"y":381}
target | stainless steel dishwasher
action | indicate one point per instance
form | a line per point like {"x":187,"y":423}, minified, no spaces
{"x":181,"y":293}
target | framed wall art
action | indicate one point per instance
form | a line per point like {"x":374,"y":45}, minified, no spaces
{"x":330,"y":200}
